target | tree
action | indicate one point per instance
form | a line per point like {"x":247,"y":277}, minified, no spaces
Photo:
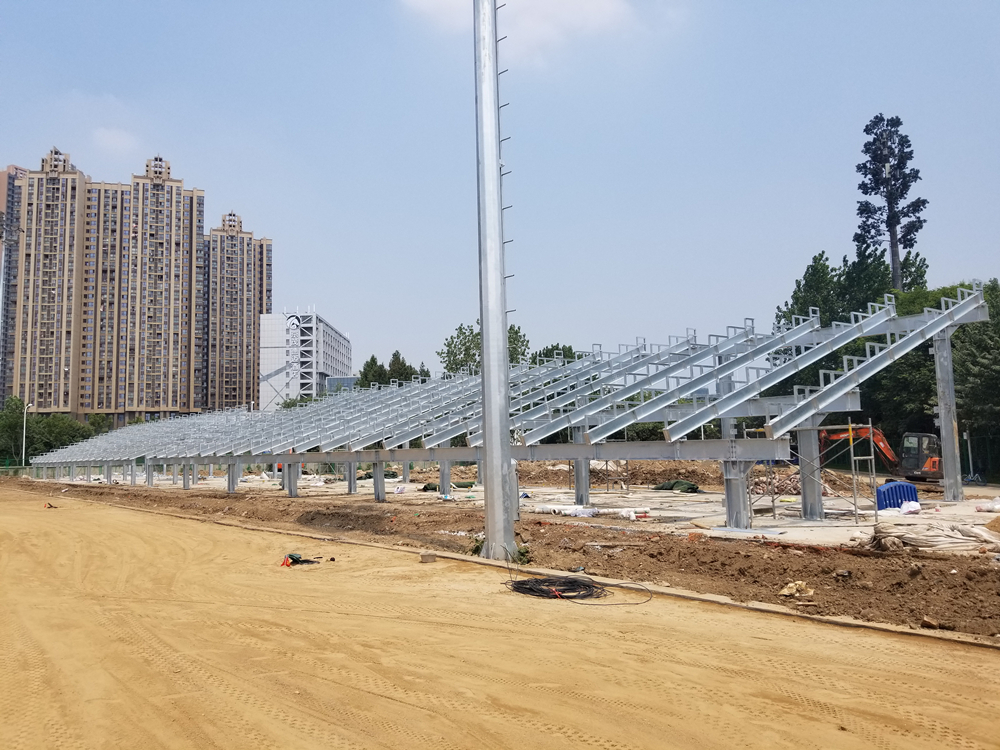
{"x":423,"y":372}
{"x":886,"y":173}
{"x":977,"y":367}
{"x":819,"y":287}
{"x":464,"y":348}
{"x":399,"y":369}
{"x":294,"y":401}
{"x":549,"y":352}
{"x":373,"y":371}
{"x":99,"y":423}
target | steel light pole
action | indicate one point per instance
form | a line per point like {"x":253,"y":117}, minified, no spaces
{"x":24,"y":435}
{"x":499,"y":543}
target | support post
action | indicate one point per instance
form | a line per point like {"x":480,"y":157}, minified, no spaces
{"x":231,"y":478}
{"x":291,"y":474}
{"x":479,"y":472}
{"x":352,"y":478}
{"x":132,"y":472}
{"x":186,"y":475}
{"x":499,"y":542}
{"x":194,"y":474}
{"x":173,"y":473}
{"x":211,"y":471}
{"x":107,"y":473}
{"x":444,"y":477}
{"x":581,"y":472}
{"x":406,"y":472}
{"x":149,"y":473}
{"x":72,"y":472}
{"x":951,"y":460}
{"x":86,"y":475}
{"x":809,"y":469}
{"x":734,"y":475}
{"x":378,"y":475}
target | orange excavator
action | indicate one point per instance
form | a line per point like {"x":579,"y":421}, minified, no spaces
{"x":920,"y":453}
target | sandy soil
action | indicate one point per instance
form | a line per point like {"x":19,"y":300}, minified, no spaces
{"x":127,"y":629}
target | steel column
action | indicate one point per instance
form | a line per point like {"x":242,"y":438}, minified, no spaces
{"x":378,"y":475}
{"x":87,"y":473}
{"x":149,"y":474}
{"x":444,"y":477}
{"x":291,"y":475}
{"x":499,"y":542}
{"x":107,"y":473}
{"x":951,"y":461}
{"x":352,"y":478}
{"x":186,"y":475}
{"x":734,"y":474}
{"x":406,"y":472}
{"x":173,"y":473}
{"x":581,"y":472}
{"x":809,"y":468}
{"x":231,"y":478}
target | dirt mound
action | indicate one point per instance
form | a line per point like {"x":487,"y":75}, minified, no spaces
{"x":994,"y":525}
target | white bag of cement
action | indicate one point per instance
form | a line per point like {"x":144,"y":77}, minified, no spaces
{"x":993,"y":506}
{"x":909,"y":508}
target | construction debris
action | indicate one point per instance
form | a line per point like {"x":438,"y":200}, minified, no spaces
{"x":798,"y":588}
{"x":954,"y":537}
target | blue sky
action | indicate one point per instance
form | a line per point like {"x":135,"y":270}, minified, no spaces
{"x":675,"y":163}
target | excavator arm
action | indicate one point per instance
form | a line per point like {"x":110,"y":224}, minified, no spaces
{"x":862,"y":434}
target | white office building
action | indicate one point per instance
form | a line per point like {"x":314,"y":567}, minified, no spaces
{"x":298,"y":352}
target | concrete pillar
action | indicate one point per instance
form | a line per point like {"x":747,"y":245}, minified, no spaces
{"x":291,"y":474}
{"x":951,"y":461}
{"x":406,"y":472}
{"x":809,"y":468}
{"x":149,"y":474}
{"x":232,"y":478}
{"x":444,"y":477}
{"x":378,"y":474}
{"x":186,"y":475}
{"x":173,"y":473}
{"x":734,"y":475}
{"x":581,"y":473}
{"x":352,"y":478}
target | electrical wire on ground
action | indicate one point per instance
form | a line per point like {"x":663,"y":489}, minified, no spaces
{"x":573,"y":589}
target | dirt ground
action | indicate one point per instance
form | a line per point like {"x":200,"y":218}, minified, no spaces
{"x":124,"y":629}
{"x":915,"y":589}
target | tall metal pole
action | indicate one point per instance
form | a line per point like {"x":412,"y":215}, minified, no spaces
{"x":499,"y":543}
{"x":24,"y":435}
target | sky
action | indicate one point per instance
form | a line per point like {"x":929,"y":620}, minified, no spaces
{"x":675,"y":164}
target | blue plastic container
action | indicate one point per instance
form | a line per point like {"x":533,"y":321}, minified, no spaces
{"x":894,"y":494}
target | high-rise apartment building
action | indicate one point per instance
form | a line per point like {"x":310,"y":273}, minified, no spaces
{"x":109,"y":295}
{"x":237,"y":291}
{"x":299,"y":352}
{"x":10,"y":230}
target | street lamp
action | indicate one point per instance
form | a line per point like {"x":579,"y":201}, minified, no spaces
{"x":24,"y":435}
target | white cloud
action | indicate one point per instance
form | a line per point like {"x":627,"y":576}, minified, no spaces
{"x":536,"y":28}
{"x":115,"y":141}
